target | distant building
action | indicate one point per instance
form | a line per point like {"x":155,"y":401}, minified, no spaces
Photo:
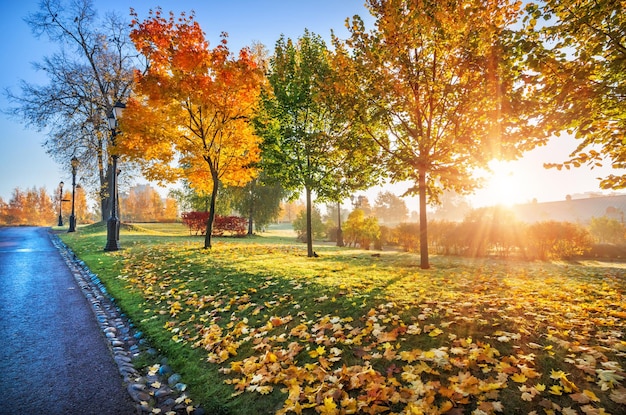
{"x":576,"y":210}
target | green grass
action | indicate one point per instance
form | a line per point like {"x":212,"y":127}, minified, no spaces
{"x":253,"y":319}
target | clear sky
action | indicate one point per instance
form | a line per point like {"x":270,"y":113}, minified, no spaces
{"x":24,"y":163}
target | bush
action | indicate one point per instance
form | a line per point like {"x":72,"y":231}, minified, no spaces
{"x":195,"y":221}
{"x":407,"y":235}
{"x":232,"y":225}
{"x":318,"y":227}
{"x":360,"y":230}
{"x":557,"y":240}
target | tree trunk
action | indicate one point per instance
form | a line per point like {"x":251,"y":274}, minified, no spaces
{"x":250,"y":219}
{"x":251,"y":209}
{"x":209,"y":222}
{"x":105,"y":193}
{"x":339,"y":231}
{"x":424,"y":264}
{"x":309,"y":227}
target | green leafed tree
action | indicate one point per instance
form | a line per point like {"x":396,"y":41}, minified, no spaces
{"x":578,"y":49}
{"x":390,"y":208}
{"x":607,"y":230}
{"x":443,"y":79}
{"x":309,"y":143}
{"x":258,"y":201}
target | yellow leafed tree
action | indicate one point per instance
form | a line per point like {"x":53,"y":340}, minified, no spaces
{"x":190,"y":114}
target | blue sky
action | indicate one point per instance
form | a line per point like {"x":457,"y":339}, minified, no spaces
{"x":24,"y":163}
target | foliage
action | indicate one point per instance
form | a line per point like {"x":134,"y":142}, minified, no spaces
{"x":363,"y":203}
{"x":490,"y":229}
{"x":494,"y":231}
{"x":259,"y":201}
{"x":31,"y":207}
{"x":406,"y":235}
{"x":91,"y":70}
{"x":195,"y":221}
{"x":362,"y":334}
{"x":547,"y":240}
{"x":389,"y":208}
{"x":193,"y":106}
{"x":607,"y":230}
{"x":144,"y":204}
{"x":317,"y":225}
{"x":232,"y":225}
{"x":310,"y":144}
{"x":452,"y":207}
{"x":360,"y":230}
{"x":443,"y":79}
{"x":289,"y":210}
{"x":578,"y":52}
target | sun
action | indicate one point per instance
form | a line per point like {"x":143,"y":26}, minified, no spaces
{"x":505,"y":185}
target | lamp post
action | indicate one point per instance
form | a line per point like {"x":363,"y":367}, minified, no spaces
{"x":113,"y":224}
{"x":75,"y":163}
{"x":60,"y":204}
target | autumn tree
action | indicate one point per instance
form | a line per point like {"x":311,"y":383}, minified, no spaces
{"x":290,"y":210}
{"x":578,"y":49}
{"x":311,"y":145}
{"x":442,"y":77}
{"x":170,"y":210}
{"x":361,"y":230}
{"x":81,"y":209}
{"x":29,"y":207}
{"x":3,"y":212}
{"x":451,"y":207}
{"x":142,"y":204}
{"x":193,"y":107}
{"x":91,"y":70}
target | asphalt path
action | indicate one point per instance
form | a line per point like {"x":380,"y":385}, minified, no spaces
{"x":53,"y":356}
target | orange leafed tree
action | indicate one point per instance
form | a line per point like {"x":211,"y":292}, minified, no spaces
{"x":190,"y":114}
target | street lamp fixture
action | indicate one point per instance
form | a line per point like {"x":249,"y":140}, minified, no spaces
{"x":113,"y":224}
{"x":60,"y":204}
{"x":75,"y":164}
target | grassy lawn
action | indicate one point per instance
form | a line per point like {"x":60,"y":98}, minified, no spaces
{"x":256,"y":327}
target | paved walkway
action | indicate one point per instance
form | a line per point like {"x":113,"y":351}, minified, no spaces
{"x":53,"y":358}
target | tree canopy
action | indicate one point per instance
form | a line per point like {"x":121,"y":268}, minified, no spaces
{"x":443,"y":79}
{"x":91,"y":70}
{"x":190,"y":113}
{"x":578,"y":49}
{"x":311,"y":145}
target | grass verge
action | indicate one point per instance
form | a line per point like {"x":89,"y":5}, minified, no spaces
{"x":256,"y":327}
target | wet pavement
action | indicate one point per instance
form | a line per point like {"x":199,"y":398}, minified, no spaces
{"x":53,"y":357}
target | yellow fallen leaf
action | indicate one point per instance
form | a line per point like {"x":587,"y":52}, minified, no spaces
{"x":519,"y":378}
{"x":557,"y":374}
{"x":320,"y":351}
{"x":436,"y":332}
{"x":329,"y":407}
{"x":556,"y":390}
{"x":592,"y":396}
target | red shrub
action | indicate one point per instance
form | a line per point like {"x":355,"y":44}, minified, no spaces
{"x":231,"y":225}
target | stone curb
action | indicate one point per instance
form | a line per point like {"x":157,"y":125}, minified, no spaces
{"x":153,"y":391}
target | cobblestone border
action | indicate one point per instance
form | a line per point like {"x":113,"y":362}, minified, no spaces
{"x":153,"y":391}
